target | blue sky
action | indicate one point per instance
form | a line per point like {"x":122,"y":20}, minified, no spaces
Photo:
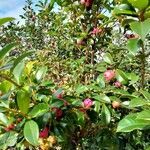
{"x":12,"y":8}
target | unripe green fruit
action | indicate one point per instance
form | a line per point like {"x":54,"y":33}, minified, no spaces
{"x":140,"y":4}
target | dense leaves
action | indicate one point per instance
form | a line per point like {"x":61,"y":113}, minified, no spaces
{"x":75,"y":75}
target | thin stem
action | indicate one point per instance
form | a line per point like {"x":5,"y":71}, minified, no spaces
{"x":10,"y":80}
{"x":142,"y":66}
{"x":141,"y":18}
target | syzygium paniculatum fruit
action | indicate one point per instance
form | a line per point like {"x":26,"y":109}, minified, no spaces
{"x":87,"y":3}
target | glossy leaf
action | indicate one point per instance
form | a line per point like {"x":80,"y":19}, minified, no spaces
{"x":39,"y":110}
{"x":141,"y":28}
{"x":130,"y":123}
{"x":6,"y":49}
{"x":136,"y":102}
{"x":140,"y":4}
{"x":123,"y":9}
{"x":144,"y":115}
{"x":41,"y":73}
{"x":23,"y":100}
{"x":17,"y":71}
{"x":132,"y":77}
{"x":146,"y":94}
{"x":3,"y":119}
{"x":31,"y":132}
{"x":81,"y":89}
{"x":8,"y":139}
{"x":5,"y":20}
{"x":121,"y":77}
{"x":105,"y":114}
{"x":108,"y":58}
{"x":20,"y":58}
{"x":132,"y":46}
{"x":102,"y":98}
{"x":97,"y":106}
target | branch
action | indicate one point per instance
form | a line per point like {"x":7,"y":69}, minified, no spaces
{"x":10,"y":80}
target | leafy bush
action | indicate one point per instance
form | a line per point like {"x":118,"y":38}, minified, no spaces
{"x":77,"y":78}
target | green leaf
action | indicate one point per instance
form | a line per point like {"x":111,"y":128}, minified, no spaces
{"x":5,"y":86}
{"x":39,"y":110}
{"x":59,"y":91}
{"x":141,"y":28}
{"x":121,"y":76}
{"x":102,"y":98}
{"x":108,"y":58}
{"x":81,"y":117}
{"x":140,"y":4}
{"x":6,"y":49}
{"x":101,"y":81}
{"x":20,"y":58}
{"x":124,"y":93}
{"x":146,"y":94}
{"x":41,"y":73}
{"x":81,"y":89}
{"x":31,"y":132}
{"x":23,"y":100}
{"x":136,"y":102}
{"x":132,"y":46}
{"x":133,"y":77}
{"x":105,"y":115}
{"x":57,"y":103}
{"x":97,"y":106}
{"x":8,"y":139}
{"x":130,"y":123}
{"x":123,"y":9}
{"x":3,"y":119}
{"x":4,"y":20}
{"x":17,"y":71}
{"x":144,"y":115}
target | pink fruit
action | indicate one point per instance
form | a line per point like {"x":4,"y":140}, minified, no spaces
{"x":96,"y":31}
{"x":88,"y":3}
{"x":109,"y":75}
{"x":87,"y":103}
{"x":44,"y":133}
{"x":115,"y":104}
{"x":117,"y":84}
{"x":82,"y":1}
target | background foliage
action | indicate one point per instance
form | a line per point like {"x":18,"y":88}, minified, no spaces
{"x":75,"y":75}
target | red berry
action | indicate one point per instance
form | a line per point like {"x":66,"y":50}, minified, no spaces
{"x":59,"y":96}
{"x":11,"y":126}
{"x":58,"y":112}
{"x":44,"y":133}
